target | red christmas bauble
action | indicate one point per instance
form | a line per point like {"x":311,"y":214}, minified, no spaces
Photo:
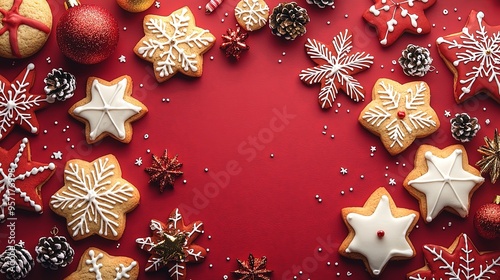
{"x":487,"y":220}
{"x":87,"y":34}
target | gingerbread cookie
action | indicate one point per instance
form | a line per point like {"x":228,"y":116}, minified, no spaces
{"x":251,"y":14}
{"x":442,"y":180}
{"x":174,"y":43}
{"x":399,"y":113}
{"x":335,"y":68}
{"x":378,"y":232}
{"x":22,"y":180}
{"x":171,"y":245}
{"x":25,"y":26}
{"x":395,"y":17}
{"x":96,"y":264}
{"x":108,"y":110}
{"x":461,"y":260}
{"x":95,"y":198}
{"x":472,"y":56}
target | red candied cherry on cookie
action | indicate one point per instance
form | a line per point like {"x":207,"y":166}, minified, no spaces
{"x":487,"y":220}
{"x":87,"y":34}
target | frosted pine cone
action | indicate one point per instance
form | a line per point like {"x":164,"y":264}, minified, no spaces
{"x":415,"y":60}
{"x":54,"y":252}
{"x":463,"y":127}
{"x":288,"y":20}
{"x":59,"y":85}
{"x":16,"y":262}
{"x":321,"y":3}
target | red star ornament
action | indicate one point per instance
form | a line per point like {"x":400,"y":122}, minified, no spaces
{"x":460,"y":261}
{"x":170,"y":245}
{"x":472,"y":56}
{"x":21,"y":179}
{"x":17,"y":104}
{"x":392,"y":18}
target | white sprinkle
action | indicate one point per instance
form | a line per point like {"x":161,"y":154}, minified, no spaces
{"x":146,"y":136}
{"x":445,"y":12}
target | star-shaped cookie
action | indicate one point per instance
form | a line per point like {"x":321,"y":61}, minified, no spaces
{"x":108,"y":110}
{"x":17,"y":104}
{"x":95,"y":198}
{"x":21,"y":180}
{"x":399,"y":113}
{"x":97,"y":264}
{"x":442,"y":180}
{"x":392,"y":18}
{"x":461,"y":260}
{"x":472,"y":56}
{"x":174,"y":43}
{"x":171,"y":245}
{"x":378,"y":232}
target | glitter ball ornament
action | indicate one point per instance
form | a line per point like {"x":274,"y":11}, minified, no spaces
{"x":87,"y":34}
{"x":135,"y":6}
{"x":487,"y":220}
{"x":16,"y":262}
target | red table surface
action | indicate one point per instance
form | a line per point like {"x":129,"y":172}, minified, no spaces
{"x":231,"y":120}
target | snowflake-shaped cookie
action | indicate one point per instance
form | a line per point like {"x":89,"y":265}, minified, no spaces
{"x":399,"y":113}
{"x":460,"y":261}
{"x":473,"y":57}
{"x":251,"y":14}
{"x":448,"y":182}
{"x":171,"y":245}
{"x":336,"y":68}
{"x":95,"y":198}
{"x":21,"y":180}
{"x":97,"y":264}
{"x":378,"y":231}
{"x":392,"y":18}
{"x":174,"y":43}
{"x":108,"y":109}
{"x":17,"y":104}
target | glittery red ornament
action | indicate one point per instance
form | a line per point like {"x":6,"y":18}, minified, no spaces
{"x":487,"y":220}
{"x":87,"y":34}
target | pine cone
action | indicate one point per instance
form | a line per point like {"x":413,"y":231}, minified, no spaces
{"x":288,"y":20}
{"x":16,"y":262}
{"x":321,"y":3}
{"x":54,"y":252}
{"x":463,"y":127}
{"x":59,"y":85}
{"x":415,"y":60}
{"x":234,"y":42}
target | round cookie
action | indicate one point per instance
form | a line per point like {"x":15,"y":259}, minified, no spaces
{"x":251,"y":14}
{"x":25,"y":26}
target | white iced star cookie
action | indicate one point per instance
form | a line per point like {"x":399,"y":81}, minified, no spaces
{"x":378,"y":232}
{"x":108,"y":110}
{"x":442,"y":180}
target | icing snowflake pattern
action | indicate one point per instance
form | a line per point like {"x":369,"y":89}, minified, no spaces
{"x":402,"y":115}
{"x":20,"y":177}
{"x":17,"y":104}
{"x":463,"y":263}
{"x":475,"y":53}
{"x":392,"y":18}
{"x":171,"y":245}
{"x":335,"y":68}
{"x":91,"y":193}
{"x":172,"y":43}
{"x":252,"y":12}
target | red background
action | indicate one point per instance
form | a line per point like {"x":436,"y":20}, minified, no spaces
{"x":226,"y":121}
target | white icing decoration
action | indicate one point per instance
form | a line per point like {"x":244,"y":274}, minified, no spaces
{"x":107,"y":110}
{"x":121,"y":270}
{"x":173,"y":47}
{"x":378,"y":251}
{"x":176,"y":272}
{"x":14,"y":103}
{"x":416,"y":118}
{"x":446,"y":184}
{"x":92,"y":196}
{"x":481,"y":50}
{"x":339,"y":66}
{"x":9,"y":176}
{"x":391,"y":23}
{"x":252,"y":12}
